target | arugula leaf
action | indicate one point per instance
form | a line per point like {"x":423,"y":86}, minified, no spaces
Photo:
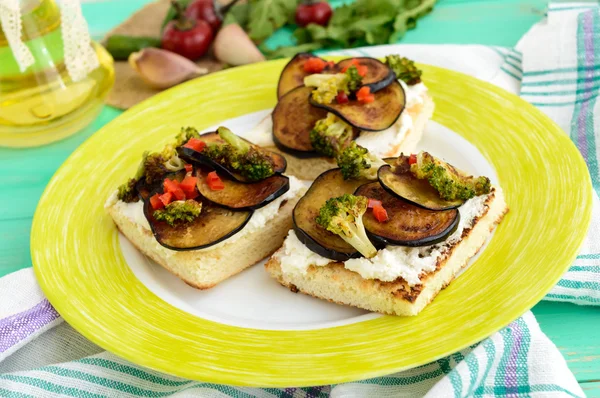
{"x":266,"y":16}
{"x":364,"y":22}
{"x":239,"y":14}
{"x":408,"y":19}
{"x":286,"y":52}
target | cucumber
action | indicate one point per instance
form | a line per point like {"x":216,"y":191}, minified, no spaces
{"x":120,"y":46}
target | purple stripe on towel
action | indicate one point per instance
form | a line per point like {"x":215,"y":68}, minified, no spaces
{"x":510,"y":379}
{"x":588,"y":42}
{"x":17,"y":327}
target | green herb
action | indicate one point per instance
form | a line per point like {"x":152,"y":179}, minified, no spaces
{"x":239,"y":14}
{"x":171,"y":13}
{"x":364,"y":22}
{"x":266,"y":16}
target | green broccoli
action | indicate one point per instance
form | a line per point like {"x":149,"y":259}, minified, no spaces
{"x":240,"y":156}
{"x":185,"y":134}
{"x":181,"y":210}
{"x":404,"y":68}
{"x":356,"y":161}
{"x":330,"y":135}
{"x":127,"y":192}
{"x":451,"y":183}
{"x":329,"y":85}
{"x":343,"y":217}
{"x":354,"y":79}
{"x":154,"y":165}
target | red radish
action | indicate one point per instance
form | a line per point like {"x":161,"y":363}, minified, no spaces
{"x":187,"y":37}
{"x":209,"y":11}
{"x":313,"y":12}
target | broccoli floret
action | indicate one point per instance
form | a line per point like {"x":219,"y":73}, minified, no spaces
{"x":356,"y":161}
{"x":343,"y":217}
{"x":236,"y":142}
{"x":354,"y":79}
{"x":127,"y":192}
{"x":330,"y":135}
{"x":154,"y":167}
{"x":451,"y":183}
{"x":327,"y":86}
{"x":239,"y":156}
{"x":255,"y":166}
{"x":404,"y":68}
{"x":185,"y":134}
{"x":181,"y":210}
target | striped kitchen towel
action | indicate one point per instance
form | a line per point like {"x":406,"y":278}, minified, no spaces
{"x":42,"y":356}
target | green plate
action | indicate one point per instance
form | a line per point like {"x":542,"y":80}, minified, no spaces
{"x":79,"y":263}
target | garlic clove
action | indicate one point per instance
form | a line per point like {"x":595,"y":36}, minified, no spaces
{"x":163,"y":69}
{"x":233,"y":46}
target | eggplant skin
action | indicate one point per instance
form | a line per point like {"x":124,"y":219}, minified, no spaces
{"x":196,"y":235}
{"x":328,"y":185}
{"x":197,"y":158}
{"x":314,"y":246}
{"x":293,"y":74}
{"x":378,"y":76}
{"x":293,"y":120}
{"x":237,"y":195}
{"x":374,"y":116}
{"x":407,"y":225}
{"x":405,"y":186}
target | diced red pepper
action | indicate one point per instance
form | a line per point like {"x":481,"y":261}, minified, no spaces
{"x":364,"y":95}
{"x":166,"y":198}
{"x":156,"y":203}
{"x":173,"y":187}
{"x":373,"y":202}
{"x":380,"y":213}
{"x":192,"y":195}
{"x":188,"y":184}
{"x":188,"y":168}
{"x":214,"y":181}
{"x":341,"y":98}
{"x":412,"y":159}
{"x":314,"y":65}
{"x":179,"y":194}
{"x":195,"y":144}
{"x":362,"y":69}
{"x":170,"y":185}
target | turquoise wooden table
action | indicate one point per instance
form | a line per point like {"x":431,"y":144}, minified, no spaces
{"x":25,"y":173}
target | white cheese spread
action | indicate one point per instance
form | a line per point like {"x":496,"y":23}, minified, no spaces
{"x":135,"y":212}
{"x":391,"y":262}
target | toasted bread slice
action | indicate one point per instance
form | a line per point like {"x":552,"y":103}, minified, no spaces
{"x":205,"y":268}
{"x":335,"y":283}
{"x":311,"y":168}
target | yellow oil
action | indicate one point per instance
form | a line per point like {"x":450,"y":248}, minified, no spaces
{"x":43,"y":104}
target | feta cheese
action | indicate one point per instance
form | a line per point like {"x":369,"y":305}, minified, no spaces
{"x":391,"y":262}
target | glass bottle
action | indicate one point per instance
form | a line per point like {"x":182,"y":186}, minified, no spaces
{"x":43,"y":103}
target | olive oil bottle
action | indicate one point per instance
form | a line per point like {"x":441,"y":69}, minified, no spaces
{"x":43,"y":104}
